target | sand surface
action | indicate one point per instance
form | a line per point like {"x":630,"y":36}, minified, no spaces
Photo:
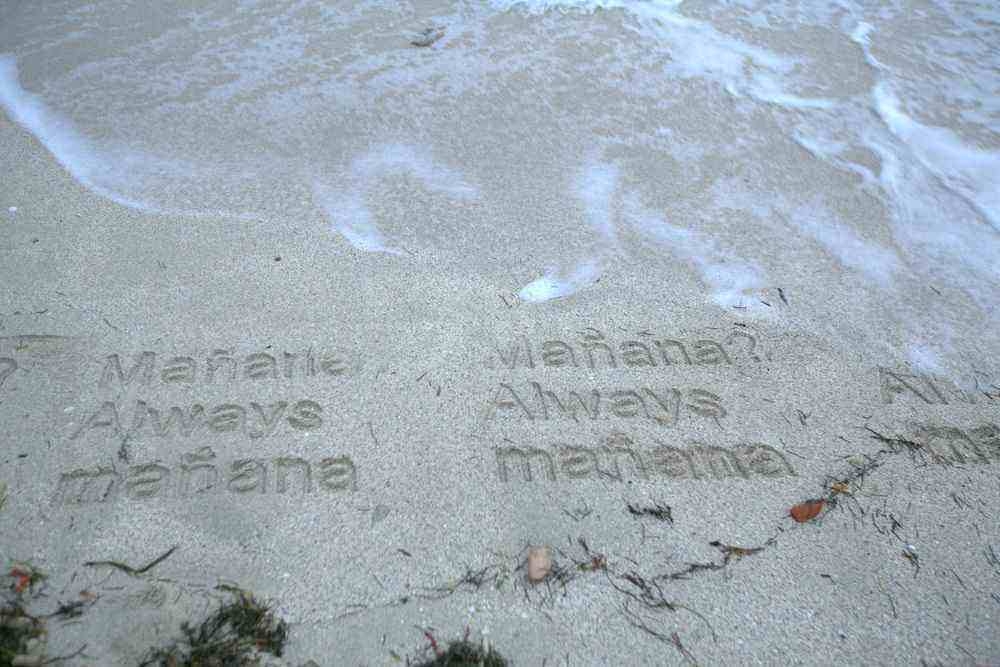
{"x":354,"y":323}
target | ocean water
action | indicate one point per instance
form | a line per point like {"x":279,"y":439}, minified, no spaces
{"x":737,"y":146}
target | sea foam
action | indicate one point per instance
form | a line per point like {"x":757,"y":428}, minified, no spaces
{"x":274,"y":115}
{"x":732,"y":279}
{"x":972,"y":173}
{"x":347,"y":208}
{"x":72,"y":150}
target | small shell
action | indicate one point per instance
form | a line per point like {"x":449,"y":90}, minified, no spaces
{"x":539,"y":564}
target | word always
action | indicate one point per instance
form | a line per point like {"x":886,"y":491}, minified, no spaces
{"x":919,"y":387}
{"x":662,"y":406}
{"x":257,"y":420}
{"x":199,"y":474}
{"x":697,"y":461}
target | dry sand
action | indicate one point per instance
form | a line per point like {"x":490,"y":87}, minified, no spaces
{"x":374,"y":441}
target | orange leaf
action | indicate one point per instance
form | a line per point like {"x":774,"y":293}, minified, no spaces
{"x":21,"y":583}
{"x":808,"y":510}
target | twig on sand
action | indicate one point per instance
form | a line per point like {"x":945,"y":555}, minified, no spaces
{"x":673,"y":639}
{"x":127,"y":569}
{"x":731,"y":552}
{"x":63,"y":658}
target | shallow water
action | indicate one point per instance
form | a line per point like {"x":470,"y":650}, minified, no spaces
{"x":738,"y":145}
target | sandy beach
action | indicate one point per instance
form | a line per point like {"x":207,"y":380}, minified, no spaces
{"x":353,"y":307}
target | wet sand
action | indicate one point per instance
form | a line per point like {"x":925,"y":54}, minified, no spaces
{"x":518,"y":337}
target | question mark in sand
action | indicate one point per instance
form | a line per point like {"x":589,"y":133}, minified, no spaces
{"x":7,"y":367}
{"x":751,"y":346}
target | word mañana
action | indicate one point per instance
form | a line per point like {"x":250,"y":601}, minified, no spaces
{"x":618,"y":459}
{"x":219,"y":365}
{"x":200,"y":474}
{"x":256,"y":420}
{"x":954,"y":446}
{"x":593,"y":351}
{"x":664,"y":407}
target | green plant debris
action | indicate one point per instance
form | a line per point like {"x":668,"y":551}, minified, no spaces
{"x":23,"y":633}
{"x":658,"y":511}
{"x":731,"y":552}
{"x":896,"y":444}
{"x":472,"y":580}
{"x":26,"y":577}
{"x":17,"y":629}
{"x":233,"y":636}
{"x":463,"y":653}
{"x":595,"y":562}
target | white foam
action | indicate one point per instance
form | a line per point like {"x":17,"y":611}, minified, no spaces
{"x":554,"y":284}
{"x":114,"y":171}
{"x":939,"y":229}
{"x":696,"y":48}
{"x":73,"y":151}
{"x":595,"y":186}
{"x":587,"y":6}
{"x":923,"y":359}
{"x":839,"y":239}
{"x":351,"y":218}
{"x":252,"y":112}
{"x":972,"y":173}
{"x":347,"y":210}
{"x":731,"y":279}
{"x":406,"y":159}
{"x":861,"y":35}
{"x":832,"y":150}
{"x":851,"y":250}
{"x":767,"y":88}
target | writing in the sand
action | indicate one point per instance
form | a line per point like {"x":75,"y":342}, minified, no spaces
{"x":618,"y":459}
{"x":948,"y":445}
{"x":139,"y":419}
{"x":200,"y":474}
{"x":664,"y":406}
{"x":220,"y":366}
{"x":593,"y":350}
{"x":920,"y":389}
{"x":7,"y":368}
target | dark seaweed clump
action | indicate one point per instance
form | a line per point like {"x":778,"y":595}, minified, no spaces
{"x":466,"y":654}
{"x":233,"y":636}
